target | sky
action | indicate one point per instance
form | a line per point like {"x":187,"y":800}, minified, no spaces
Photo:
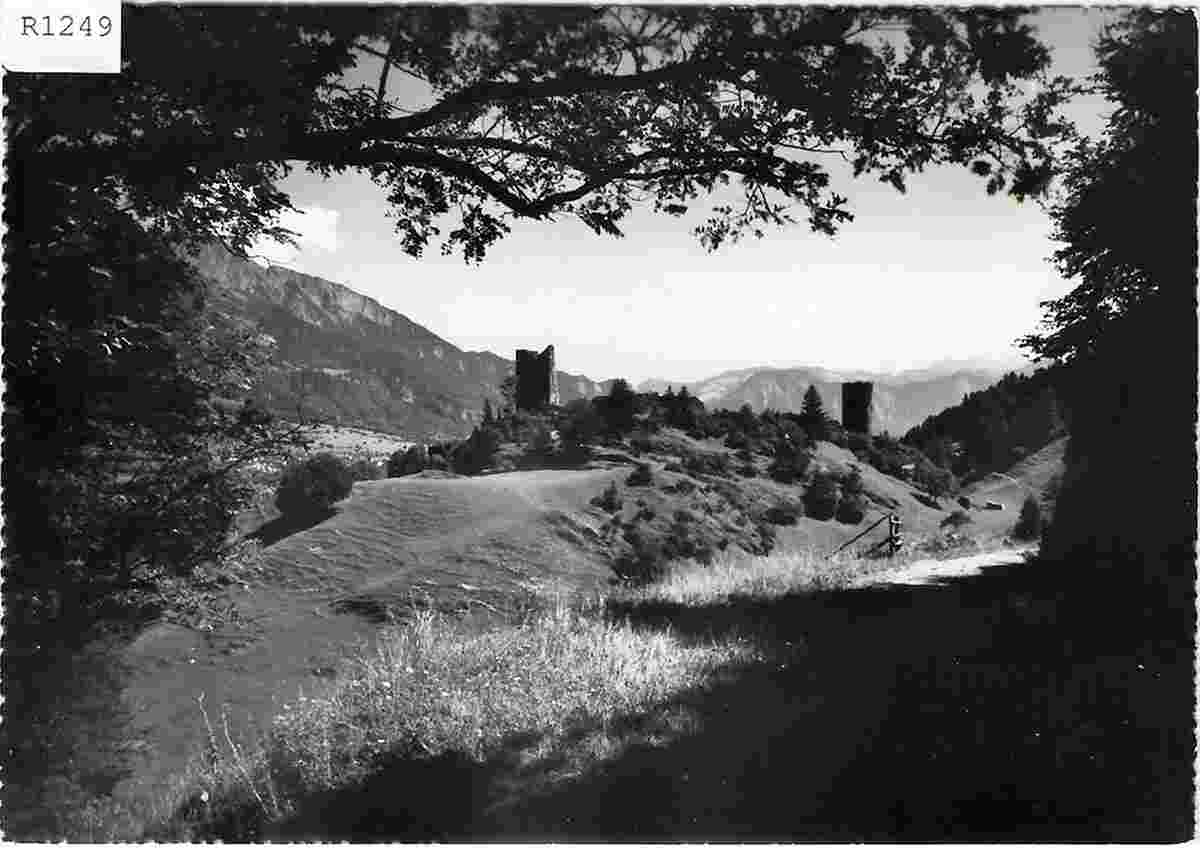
{"x":941,"y":272}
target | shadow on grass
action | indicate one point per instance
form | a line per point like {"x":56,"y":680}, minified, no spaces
{"x":280,"y":528}
{"x":1017,"y":705}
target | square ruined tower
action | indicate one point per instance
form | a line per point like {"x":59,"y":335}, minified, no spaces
{"x":537,"y":381}
{"x":856,"y":407}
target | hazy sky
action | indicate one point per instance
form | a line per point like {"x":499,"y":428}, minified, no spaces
{"x":943,"y":271}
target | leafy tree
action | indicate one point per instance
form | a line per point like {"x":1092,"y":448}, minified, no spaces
{"x":526,"y":112}
{"x":489,"y":417}
{"x":822,"y":496}
{"x":1127,"y":330}
{"x":684,"y":410}
{"x":619,"y":407}
{"x":790,"y":463}
{"x":852,"y":508}
{"x":812,"y":416}
{"x":1118,"y":258}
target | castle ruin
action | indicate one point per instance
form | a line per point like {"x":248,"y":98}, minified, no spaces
{"x":537,"y":381}
{"x":856,"y":407}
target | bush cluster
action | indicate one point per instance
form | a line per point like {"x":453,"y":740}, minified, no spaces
{"x":790,"y":463}
{"x":313,"y":485}
{"x":784,"y":514}
{"x":641,"y":476}
{"x":610,"y":499}
{"x":956,"y":519}
{"x":890,"y":456}
{"x":1029,"y":522}
{"x":715,"y":464}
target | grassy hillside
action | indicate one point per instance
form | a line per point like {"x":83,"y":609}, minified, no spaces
{"x":481,"y":550}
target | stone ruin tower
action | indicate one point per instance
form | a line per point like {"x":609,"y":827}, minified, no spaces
{"x":856,"y":407}
{"x":537,"y":381}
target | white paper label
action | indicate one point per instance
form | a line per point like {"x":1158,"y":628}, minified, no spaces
{"x":54,"y":36}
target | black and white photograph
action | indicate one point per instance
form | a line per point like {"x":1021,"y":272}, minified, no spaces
{"x":535,"y":422}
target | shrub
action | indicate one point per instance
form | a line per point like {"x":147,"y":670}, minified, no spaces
{"x":965,"y":502}
{"x":477,"y":452}
{"x":852,"y":483}
{"x":683,"y":487}
{"x":1029,"y":522}
{"x":641,"y":476}
{"x":790,"y":464}
{"x":313,"y":485}
{"x":747,"y":469}
{"x":716,"y":464}
{"x":686,"y":542}
{"x":934,"y":480}
{"x":858,"y":444}
{"x":610,"y":499}
{"x":365,"y":469}
{"x":956,"y":519}
{"x":822,"y":496}
{"x":640,"y":443}
{"x":852,"y":508}
{"x":644,"y":562}
{"x":538,"y":442}
{"x":784,"y":513}
{"x":581,"y":423}
{"x":407,"y":461}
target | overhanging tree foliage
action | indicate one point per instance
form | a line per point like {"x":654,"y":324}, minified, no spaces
{"x":1126,"y":213}
{"x":498,"y":113}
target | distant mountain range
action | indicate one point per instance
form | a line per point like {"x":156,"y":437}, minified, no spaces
{"x":347,"y":357}
{"x":900,"y":401}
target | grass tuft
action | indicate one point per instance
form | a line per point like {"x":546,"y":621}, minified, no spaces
{"x":733,"y":576}
{"x":428,"y":689}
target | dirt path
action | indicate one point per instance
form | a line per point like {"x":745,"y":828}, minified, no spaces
{"x":929,"y":571}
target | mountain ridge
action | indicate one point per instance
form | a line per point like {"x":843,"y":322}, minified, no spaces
{"x":900,"y":401}
{"x":344,"y":356}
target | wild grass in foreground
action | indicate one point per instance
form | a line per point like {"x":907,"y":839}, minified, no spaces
{"x":429,"y":690}
{"x":762,"y":578}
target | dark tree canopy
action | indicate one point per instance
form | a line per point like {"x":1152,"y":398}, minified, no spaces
{"x":1127,"y":331}
{"x":490,"y":114}
{"x":1126,"y":213}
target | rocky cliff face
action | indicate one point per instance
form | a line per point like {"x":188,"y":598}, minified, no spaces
{"x":345,"y":356}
